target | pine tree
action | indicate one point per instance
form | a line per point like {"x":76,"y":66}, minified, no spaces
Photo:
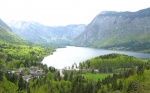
{"x":120,"y":86}
{"x":98,"y":83}
{"x":28,"y":90}
{"x":71,"y":76}
{"x":114,"y":84}
{"x":1,"y":75}
{"x":20,"y":84}
{"x":140,"y":70}
{"x":134,"y":87}
{"x":65,"y":76}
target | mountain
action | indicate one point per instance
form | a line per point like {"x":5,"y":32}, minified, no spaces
{"x":3,"y":24}
{"x":37,"y":32}
{"x":6,"y":34}
{"x":118,"y":30}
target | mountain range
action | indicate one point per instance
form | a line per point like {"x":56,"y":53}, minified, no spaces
{"x":109,"y":29}
{"x":118,"y":30}
{"x":36,"y":32}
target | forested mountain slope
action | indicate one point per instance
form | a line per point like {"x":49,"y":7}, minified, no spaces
{"x":118,"y":30}
{"x":3,"y":24}
{"x":6,"y":35}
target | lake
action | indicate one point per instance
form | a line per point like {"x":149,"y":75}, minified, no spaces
{"x":64,"y":57}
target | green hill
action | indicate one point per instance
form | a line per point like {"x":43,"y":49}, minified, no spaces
{"x":6,"y":35}
{"x":134,"y":79}
{"x":111,"y":63}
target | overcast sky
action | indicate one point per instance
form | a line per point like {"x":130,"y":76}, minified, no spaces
{"x":64,"y":12}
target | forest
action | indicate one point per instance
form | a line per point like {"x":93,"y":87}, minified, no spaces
{"x":123,"y":74}
{"x":13,"y":56}
{"x":103,"y":74}
{"x":111,"y":63}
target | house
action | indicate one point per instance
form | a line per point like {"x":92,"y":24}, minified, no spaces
{"x":96,"y":70}
{"x":36,"y":72}
{"x":27,"y":77}
{"x":20,"y":70}
{"x":37,"y":75}
{"x":17,"y":73}
{"x":39,"y":71}
{"x":33,"y":69}
{"x":8,"y":71}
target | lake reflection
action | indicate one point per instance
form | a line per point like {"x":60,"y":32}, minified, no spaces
{"x":64,"y":57}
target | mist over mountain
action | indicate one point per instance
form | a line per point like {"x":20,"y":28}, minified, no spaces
{"x":118,"y":30}
{"x":37,"y":32}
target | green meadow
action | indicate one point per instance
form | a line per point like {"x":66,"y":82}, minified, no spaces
{"x":95,"y":77}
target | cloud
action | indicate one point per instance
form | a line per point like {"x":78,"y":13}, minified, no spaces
{"x":63,"y":12}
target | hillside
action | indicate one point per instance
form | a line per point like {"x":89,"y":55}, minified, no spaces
{"x":6,"y":35}
{"x":111,"y":63}
{"x":118,"y":30}
{"x":37,"y":32}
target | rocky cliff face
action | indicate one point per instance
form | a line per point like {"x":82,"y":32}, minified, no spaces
{"x":37,"y":32}
{"x":127,"y":30}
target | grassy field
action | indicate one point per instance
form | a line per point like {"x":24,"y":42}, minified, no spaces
{"x":95,"y":77}
{"x":145,"y":60}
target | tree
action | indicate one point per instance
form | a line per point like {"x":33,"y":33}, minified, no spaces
{"x":71,"y":76}
{"x":98,"y":83}
{"x":134,"y":87}
{"x":21,"y":65}
{"x":120,"y":86}
{"x":98,"y":86}
{"x":65,"y":76}
{"x":20,"y":84}
{"x":103,"y":90}
{"x":92,"y":71}
{"x":140,"y":70}
{"x":79,"y":84}
{"x":28,"y":90}
{"x":114,"y":84}
{"x":49,"y":75}
{"x":9,"y":58}
{"x":52,"y":69}
{"x":1,"y":75}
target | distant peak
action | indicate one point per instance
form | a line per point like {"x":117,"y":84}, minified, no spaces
{"x":107,"y":12}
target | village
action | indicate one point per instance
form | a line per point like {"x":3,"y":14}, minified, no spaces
{"x":28,"y":73}
{"x":36,"y":72}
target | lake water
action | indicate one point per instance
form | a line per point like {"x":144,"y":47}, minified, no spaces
{"x":64,"y":57}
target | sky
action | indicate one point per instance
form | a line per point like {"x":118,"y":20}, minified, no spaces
{"x":64,"y":12}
